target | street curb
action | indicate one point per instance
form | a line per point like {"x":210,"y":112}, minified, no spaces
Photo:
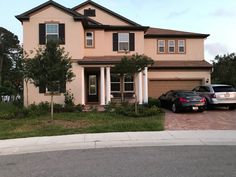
{"x":115,"y":140}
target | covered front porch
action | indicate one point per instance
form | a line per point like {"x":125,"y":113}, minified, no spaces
{"x":100,"y":85}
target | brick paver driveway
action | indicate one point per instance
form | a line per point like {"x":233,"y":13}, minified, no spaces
{"x":218,"y":119}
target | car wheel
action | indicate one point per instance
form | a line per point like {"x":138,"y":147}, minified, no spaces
{"x":232,"y":107}
{"x":174,"y":108}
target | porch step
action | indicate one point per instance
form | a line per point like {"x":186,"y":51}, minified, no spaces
{"x":88,"y":108}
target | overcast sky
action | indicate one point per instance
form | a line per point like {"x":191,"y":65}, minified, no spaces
{"x":214,"y":17}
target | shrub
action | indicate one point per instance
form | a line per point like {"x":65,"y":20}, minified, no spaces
{"x":69,"y":108}
{"x":18,"y":103}
{"x":79,"y":108}
{"x":58,"y":108}
{"x":40,"y":109}
{"x":153,"y":102}
{"x":111,"y":107}
{"x":128,"y":110}
{"x":10,"y":111}
{"x":69,"y":98}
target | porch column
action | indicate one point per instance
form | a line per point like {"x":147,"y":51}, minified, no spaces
{"x":145,"y":89}
{"x":108,"y":85}
{"x":82,"y":86}
{"x":140,"y":91}
{"x":102,"y":86}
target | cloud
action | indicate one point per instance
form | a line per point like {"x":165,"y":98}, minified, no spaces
{"x":216,"y":48}
{"x":223,"y":13}
{"x":179,"y":13}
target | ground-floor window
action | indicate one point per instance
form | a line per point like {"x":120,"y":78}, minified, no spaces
{"x":127,"y":85}
{"x":115,"y":83}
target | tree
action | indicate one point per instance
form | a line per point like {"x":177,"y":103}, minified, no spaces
{"x":132,"y":66}
{"x":224,"y":69}
{"x":9,"y":45}
{"x":50,"y":69}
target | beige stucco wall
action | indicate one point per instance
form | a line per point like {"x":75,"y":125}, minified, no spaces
{"x":74,"y":45}
{"x":103,"y":17}
{"x":104,"y":44}
{"x":74,"y":38}
{"x":74,"y":87}
{"x":194,"y":50}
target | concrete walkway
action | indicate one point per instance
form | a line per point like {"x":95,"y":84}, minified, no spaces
{"x":109,"y":140}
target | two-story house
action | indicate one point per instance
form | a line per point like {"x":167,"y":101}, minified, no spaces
{"x":97,"y":38}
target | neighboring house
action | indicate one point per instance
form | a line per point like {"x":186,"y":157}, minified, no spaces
{"x":97,"y":38}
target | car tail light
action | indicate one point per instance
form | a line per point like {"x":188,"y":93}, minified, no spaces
{"x":183,"y":100}
{"x":212,"y":95}
{"x":203,"y":100}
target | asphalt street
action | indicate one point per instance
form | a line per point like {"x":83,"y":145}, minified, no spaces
{"x":173,"y":161}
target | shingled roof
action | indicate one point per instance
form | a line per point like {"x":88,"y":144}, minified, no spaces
{"x":181,"y":64}
{"x":159,"y":32}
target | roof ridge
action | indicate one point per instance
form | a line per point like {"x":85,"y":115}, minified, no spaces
{"x":106,"y":10}
{"x":153,"y":32}
{"x":167,"y":29}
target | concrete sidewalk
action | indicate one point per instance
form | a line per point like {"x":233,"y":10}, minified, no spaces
{"x":125,"y":139}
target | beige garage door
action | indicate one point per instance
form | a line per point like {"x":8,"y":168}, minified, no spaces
{"x":158,"y":87}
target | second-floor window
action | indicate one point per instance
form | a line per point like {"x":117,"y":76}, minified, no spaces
{"x":52,"y":32}
{"x":89,"y":39}
{"x":123,"y":41}
{"x":171,"y":46}
{"x":181,"y":46}
{"x":161,"y":46}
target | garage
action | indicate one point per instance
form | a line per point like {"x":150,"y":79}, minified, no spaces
{"x":157,"y":87}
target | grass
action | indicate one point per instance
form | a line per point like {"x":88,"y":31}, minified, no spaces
{"x":72,"y":123}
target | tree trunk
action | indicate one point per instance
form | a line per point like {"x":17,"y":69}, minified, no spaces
{"x":27,"y":92}
{"x":1,"y":66}
{"x":135,"y":96}
{"x":122,"y":89}
{"x":52,"y":107}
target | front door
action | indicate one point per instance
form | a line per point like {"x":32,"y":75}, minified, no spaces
{"x":92,"y":88}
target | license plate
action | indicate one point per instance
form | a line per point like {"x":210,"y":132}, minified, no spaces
{"x":195,"y":108}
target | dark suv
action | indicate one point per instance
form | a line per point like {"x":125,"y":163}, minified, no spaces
{"x":218,"y":95}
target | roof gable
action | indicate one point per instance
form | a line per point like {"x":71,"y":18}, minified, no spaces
{"x":108,"y":11}
{"x":26,"y":15}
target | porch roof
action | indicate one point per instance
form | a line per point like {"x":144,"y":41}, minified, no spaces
{"x":101,"y":60}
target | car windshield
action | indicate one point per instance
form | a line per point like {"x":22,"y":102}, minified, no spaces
{"x":186,"y":94}
{"x":224,"y":89}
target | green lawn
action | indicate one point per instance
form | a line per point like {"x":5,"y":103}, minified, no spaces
{"x":71,"y":123}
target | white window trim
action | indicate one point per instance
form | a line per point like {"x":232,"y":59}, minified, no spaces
{"x":115,"y":83}
{"x":129,"y":82}
{"x":89,"y":38}
{"x":46,"y":33}
{"x":123,"y":42}
{"x":161,"y":46}
{"x":171,"y":46}
{"x":181,"y":46}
